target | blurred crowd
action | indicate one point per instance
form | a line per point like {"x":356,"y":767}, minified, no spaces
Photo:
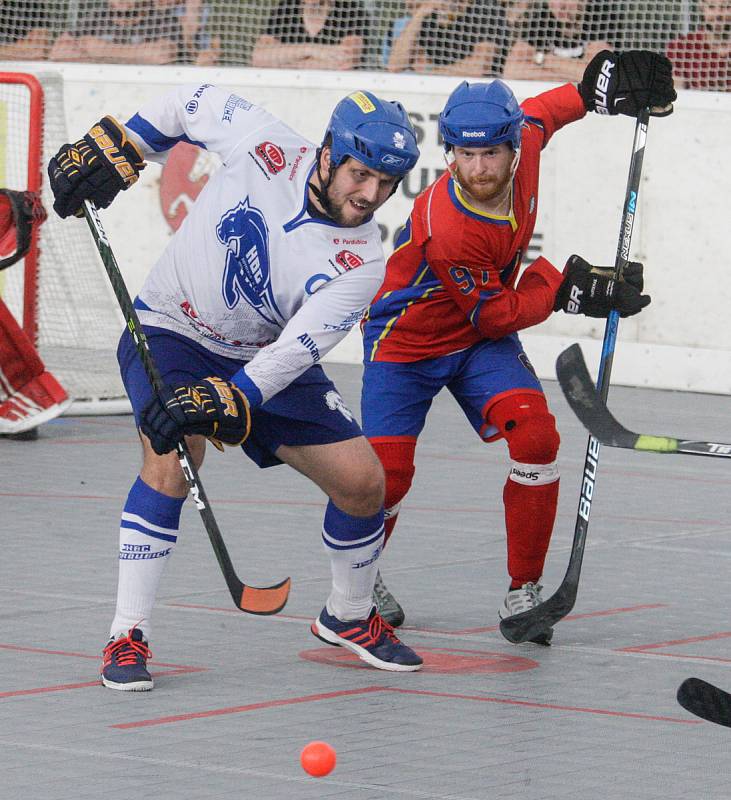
{"x":517,"y":39}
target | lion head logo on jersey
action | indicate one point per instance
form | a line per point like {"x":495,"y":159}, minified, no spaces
{"x":243,"y":230}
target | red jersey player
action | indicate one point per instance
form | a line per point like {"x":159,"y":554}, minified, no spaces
{"x":450,"y":308}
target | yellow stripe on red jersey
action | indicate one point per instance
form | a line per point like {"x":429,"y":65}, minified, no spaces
{"x":453,"y":278}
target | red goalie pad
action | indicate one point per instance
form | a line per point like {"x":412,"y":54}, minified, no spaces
{"x":29,"y":395}
{"x":19,"y":211}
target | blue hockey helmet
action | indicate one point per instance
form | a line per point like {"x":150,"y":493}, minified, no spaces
{"x":378,"y":133}
{"x":481,"y":115}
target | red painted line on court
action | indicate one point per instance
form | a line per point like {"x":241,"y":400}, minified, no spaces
{"x":396,"y":690}
{"x":71,"y":654}
{"x":656,"y":474}
{"x":650,"y":648}
{"x":270,"y":502}
{"x":45,"y":689}
{"x":639,"y":648}
{"x":160,"y":668}
{"x":611,"y":611}
{"x":58,"y":496}
{"x":490,"y":628}
{"x":312,"y":698}
{"x":63,"y":687}
{"x":231,"y":610}
{"x":550,"y":706}
{"x":43,"y":651}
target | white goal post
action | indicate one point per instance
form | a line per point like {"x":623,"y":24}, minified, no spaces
{"x":59,"y":293}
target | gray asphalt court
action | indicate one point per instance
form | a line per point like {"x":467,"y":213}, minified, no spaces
{"x":593,"y":717}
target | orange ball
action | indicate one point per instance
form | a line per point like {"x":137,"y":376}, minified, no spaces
{"x":318,"y":759}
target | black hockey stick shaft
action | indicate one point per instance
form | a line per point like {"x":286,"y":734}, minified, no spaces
{"x":582,"y":397}
{"x":253,"y":600}
{"x":526,"y":626}
{"x":705,"y":701}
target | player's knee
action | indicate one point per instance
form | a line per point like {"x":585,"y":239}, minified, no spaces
{"x":398,"y":464}
{"x":163,"y":473}
{"x":363,"y":494}
{"x":528,"y":427}
{"x":535,"y":441}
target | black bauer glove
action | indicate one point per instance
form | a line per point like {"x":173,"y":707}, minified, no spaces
{"x":95,"y":168}
{"x":625,"y":83}
{"x":593,"y":291}
{"x":214,"y":408}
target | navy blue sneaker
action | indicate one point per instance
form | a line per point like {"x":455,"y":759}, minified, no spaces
{"x":372,"y":640}
{"x":124,"y":664}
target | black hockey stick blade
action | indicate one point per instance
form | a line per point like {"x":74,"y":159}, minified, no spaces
{"x":581,"y":394}
{"x":705,"y":701}
{"x":253,"y":600}
{"x":585,"y":402}
{"x":530,"y":624}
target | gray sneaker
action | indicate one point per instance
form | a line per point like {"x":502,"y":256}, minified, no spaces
{"x":524,"y":599}
{"x":387,"y":605}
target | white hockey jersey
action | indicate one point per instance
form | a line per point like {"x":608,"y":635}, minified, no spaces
{"x":250,"y":274}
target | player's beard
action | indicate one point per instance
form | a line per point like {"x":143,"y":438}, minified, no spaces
{"x":485,"y":188}
{"x":336,"y":210}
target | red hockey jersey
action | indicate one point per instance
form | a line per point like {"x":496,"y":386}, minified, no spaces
{"x":452,"y":279}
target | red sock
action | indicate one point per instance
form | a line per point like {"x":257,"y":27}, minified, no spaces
{"x":530,"y":512}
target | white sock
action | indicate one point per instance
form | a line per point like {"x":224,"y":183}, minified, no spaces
{"x":147,"y":534}
{"x":354,"y":545}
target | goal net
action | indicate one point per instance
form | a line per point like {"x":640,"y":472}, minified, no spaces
{"x":59,"y":293}
{"x":468,"y":37}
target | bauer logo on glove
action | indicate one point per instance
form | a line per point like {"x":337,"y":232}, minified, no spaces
{"x":594,"y":291}
{"x":95,"y":168}
{"x":625,"y":83}
{"x":214,"y":408}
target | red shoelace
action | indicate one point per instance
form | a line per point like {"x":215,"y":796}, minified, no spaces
{"x":378,"y":626}
{"x":126,"y":651}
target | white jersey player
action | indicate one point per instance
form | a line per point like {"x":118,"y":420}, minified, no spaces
{"x":277,"y":260}
{"x":252,"y":219}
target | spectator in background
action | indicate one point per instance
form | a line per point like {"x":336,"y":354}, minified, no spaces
{"x":199,"y":46}
{"x":558,"y":38}
{"x":515,"y":10}
{"x":457,"y":37}
{"x":397,"y":27}
{"x":123,"y":31}
{"x":702,"y":60}
{"x":24,"y":31}
{"x":314,"y":34}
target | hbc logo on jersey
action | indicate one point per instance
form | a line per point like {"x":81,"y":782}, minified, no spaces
{"x":349,"y":260}
{"x":243,"y":230}
{"x":272,"y":155}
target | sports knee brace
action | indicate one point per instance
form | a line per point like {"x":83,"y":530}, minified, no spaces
{"x":529,"y":428}
{"x":397,"y":458}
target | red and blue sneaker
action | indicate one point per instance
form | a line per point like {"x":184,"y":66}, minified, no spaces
{"x":124,"y":664}
{"x":372,"y":640}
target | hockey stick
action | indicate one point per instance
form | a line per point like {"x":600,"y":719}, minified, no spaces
{"x":529,"y":624}
{"x":705,"y":701}
{"x":591,"y":410}
{"x":252,"y":599}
